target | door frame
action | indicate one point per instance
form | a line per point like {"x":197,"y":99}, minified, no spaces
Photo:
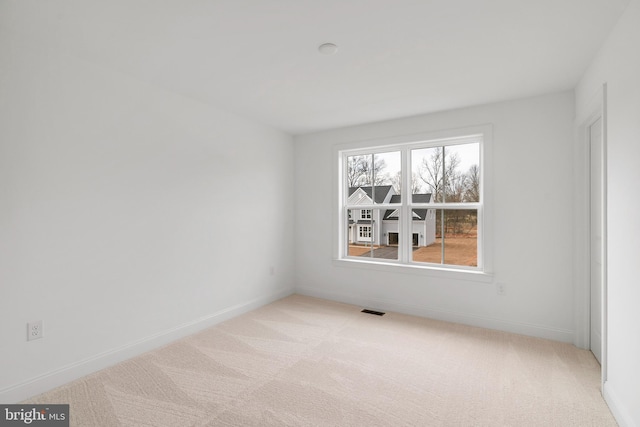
{"x":582,"y":230}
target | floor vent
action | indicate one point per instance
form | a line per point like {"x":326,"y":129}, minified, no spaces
{"x":377,"y":313}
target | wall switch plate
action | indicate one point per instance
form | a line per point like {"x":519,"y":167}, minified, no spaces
{"x":34,"y":330}
{"x":501,"y":288}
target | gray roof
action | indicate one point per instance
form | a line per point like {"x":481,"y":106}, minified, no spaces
{"x":421,"y":198}
{"x":422,"y":214}
{"x":381,"y":192}
{"x":416,"y":198}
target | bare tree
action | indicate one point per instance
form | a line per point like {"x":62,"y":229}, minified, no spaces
{"x":439,"y":173}
{"x":472,"y":192}
{"x":354,"y":169}
{"x":396,"y":181}
{"x":455,"y":186}
{"x":416,"y":188}
{"x":361,"y":172}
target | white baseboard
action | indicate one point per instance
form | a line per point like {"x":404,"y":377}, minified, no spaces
{"x":73,"y":371}
{"x":619,"y":413}
{"x":532,"y":330}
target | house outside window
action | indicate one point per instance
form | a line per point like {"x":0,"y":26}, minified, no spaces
{"x":426,"y":198}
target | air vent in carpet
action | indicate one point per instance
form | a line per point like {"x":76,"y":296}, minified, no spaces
{"x":377,"y":313}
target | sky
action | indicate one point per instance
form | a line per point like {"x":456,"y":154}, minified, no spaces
{"x":467,"y":153}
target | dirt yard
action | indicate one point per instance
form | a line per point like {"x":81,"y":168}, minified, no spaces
{"x":358,"y":250}
{"x":458,"y":250}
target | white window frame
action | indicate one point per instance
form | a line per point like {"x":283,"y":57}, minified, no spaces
{"x":404,"y":144}
{"x":365,"y":214}
{"x":361,"y":236}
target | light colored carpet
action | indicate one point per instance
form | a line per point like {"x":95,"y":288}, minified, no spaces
{"x":307,"y":362}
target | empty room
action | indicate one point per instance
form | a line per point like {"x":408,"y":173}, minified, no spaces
{"x":319,"y":213}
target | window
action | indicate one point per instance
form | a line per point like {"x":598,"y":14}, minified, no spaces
{"x":365,"y":232}
{"x":420,"y":203}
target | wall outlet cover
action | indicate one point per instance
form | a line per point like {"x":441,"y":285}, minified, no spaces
{"x":34,"y":330}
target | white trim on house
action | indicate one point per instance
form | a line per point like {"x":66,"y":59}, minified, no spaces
{"x":364,"y":233}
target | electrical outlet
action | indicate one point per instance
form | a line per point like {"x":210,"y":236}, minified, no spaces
{"x":34,"y":330}
{"x":501,"y":288}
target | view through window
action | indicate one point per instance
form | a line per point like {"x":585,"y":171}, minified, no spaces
{"x":415,"y":203}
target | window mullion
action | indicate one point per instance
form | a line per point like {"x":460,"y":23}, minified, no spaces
{"x":442,"y":235}
{"x":480,"y":242}
{"x":404,"y":254}
{"x":344,"y":212}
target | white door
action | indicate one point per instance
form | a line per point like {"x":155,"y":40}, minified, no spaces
{"x":596,"y":232}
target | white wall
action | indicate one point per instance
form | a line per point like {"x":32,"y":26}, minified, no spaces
{"x":129,"y":216}
{"x":532,"y":242}
{"x":618,"y":65}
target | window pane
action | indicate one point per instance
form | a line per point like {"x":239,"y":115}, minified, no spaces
{"x":461,"y":237}
{"x":462,"y":173}
{"x":455,"y":241}
{"x":373,"y":233}
{"x":450,"y":173}
{"x":381,"y":169}
{"x":359,"y":170}
{"x":388,"y":177}
{"x":430,"y":249}
{"x":427,"y":173}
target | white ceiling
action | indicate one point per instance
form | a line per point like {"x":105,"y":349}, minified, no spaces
{"x":396,"y":58}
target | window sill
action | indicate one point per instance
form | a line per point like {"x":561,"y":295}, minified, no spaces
{"x":431,"y":271}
